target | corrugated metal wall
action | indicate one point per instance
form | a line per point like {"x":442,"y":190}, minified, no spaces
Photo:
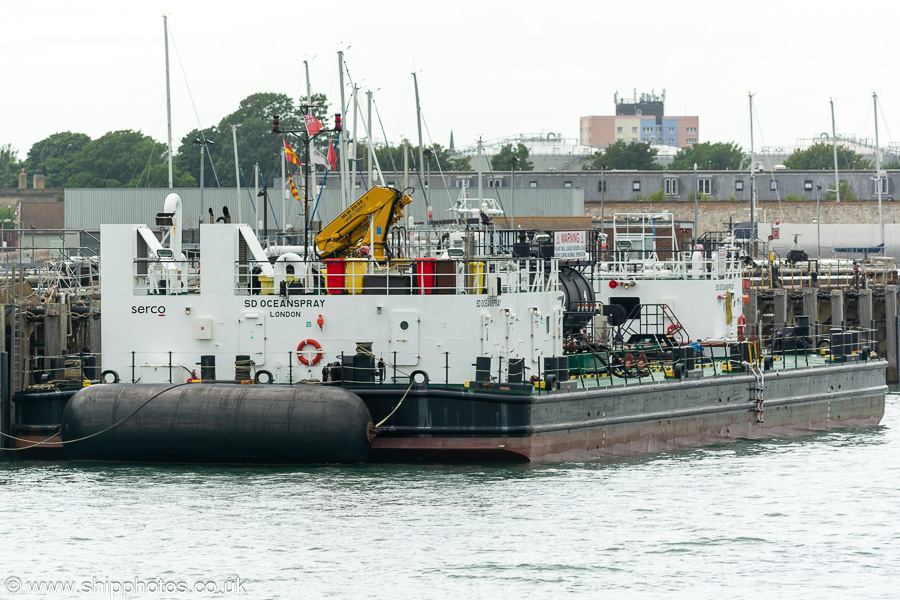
{"x":88,"y":208}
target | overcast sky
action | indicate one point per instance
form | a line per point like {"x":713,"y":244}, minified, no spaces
{"x":490,"y":69}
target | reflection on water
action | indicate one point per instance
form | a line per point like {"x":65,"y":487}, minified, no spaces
{"x":817,"y":515}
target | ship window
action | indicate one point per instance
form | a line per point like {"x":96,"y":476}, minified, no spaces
{"x":404,"y":325}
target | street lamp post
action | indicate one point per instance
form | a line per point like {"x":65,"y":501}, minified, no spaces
{"x":696,"y":196}
{"x":512,"y":184}
{"x":818,"y":225}
{"x":602,"y":195}
{"x":427,"y":153}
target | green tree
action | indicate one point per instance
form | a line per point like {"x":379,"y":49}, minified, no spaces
{"x":9,"y":167}
{"x":501,"y":160}
{"x":256,"y":143}
{"x":124,"y":159}
{"x":847,"y":193}
{"x":893,"y":165}
{"x":719,"y":156}
{"x":637,"y":156}
{"x":821,"y":156}
{"x":53,"y":156}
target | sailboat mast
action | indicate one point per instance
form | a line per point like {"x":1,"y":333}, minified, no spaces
{"x":878,"y":174}
{"x":345,"y":187}
{"x":421,"y":147}
{"x":837,"y":180}
{"x":752,"y":180}
{"x":237,"y":173}
{"x":168,"y":97}
{"x":309,"y":101}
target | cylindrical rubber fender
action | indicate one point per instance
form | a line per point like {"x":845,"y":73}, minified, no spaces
{"x":216,"y":423}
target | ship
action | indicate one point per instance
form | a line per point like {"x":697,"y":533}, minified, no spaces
{"x":515,"y":346}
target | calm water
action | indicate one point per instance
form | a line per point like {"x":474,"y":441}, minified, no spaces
{"x":817,"y":517}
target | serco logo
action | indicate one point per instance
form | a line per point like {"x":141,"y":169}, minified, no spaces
{"x":159,"y":311}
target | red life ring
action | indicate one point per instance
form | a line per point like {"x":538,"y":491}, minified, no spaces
{"x":315,"y":359}
{"x":673,"y":328}
{"x":741,"y":322}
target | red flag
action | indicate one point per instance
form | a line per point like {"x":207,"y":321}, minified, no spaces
{"x":332,"y":156}
{"x":290,"y":155}
{"x":294,"y":191}
{"x":313,"y":125}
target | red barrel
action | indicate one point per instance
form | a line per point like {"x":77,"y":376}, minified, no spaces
{"x":335,"y":270}
{"x":425,"y":275}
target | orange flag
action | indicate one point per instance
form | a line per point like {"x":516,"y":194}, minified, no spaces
{"x":290,"y":155}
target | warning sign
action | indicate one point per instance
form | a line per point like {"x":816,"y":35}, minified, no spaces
{"x":570,"y":245}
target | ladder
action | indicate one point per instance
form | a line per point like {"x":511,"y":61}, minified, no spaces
{"x":756,"y":392}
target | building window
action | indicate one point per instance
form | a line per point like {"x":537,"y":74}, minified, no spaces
{"x":567,"y":184}
{"x":601,"y":186}
{"x":648,"y":130}
{"x":462,"y":183}
{"x":691,"y":130}
{"x":704,"y":186}
{"x":738,"y":186}
{"x":807,"y":185}
{"x":634,"y":130}
{"x":495,"y":183}
{"x":620,"y":139}
{"x":633,"y":139}
{"x":671,"y":187}
{"x":671,"y":130}
{"x":773,"y":185}
{"x":636,"y":186}
{"x":884,"y":186}
{"x":618,"y":130}
{"x":532,"y":184}
{"x":691,"y":140}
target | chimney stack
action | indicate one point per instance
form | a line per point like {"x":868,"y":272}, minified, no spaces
{"x":23,"y":180}
{"x":38,"y":180}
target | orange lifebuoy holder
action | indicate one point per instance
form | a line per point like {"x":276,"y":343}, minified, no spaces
{"x":741,"y":323}
{"x":301,"y":356}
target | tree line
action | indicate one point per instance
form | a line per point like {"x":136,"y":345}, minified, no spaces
{"x":132,"y":159}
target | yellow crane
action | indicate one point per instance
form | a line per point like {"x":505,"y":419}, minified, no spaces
{"x":370,"y":216}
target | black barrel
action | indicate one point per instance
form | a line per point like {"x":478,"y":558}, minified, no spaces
{"x":516,"y":370}
{"x":208,"y":367}
{"x":482,"y":369}
{"x":216,"y":423}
